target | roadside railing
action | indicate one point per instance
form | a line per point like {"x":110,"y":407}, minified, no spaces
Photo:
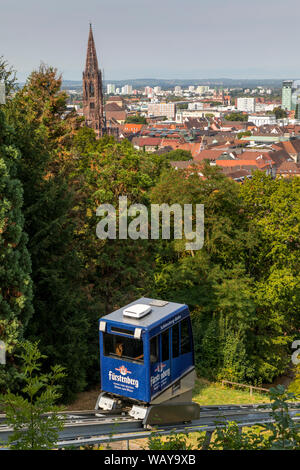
{"x":251,"y":387}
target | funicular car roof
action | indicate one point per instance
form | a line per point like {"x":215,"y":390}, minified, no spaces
{"x":156,"y":316}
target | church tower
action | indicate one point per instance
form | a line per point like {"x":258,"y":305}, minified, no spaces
{"x":93,"y":108}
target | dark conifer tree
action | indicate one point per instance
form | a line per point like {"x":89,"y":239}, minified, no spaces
{"x":42,"y":135}
{"x":15,"y":266}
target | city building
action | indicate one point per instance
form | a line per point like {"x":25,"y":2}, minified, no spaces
{"x":111,"y":88}
{"x":194,"y":105}
{"x":148,"y":91}
{"x":162,"y":109}
{"x":245,"y":104}
{"x":296,"y":98}
{"x":115,"y":110}
{"x":126,"y":90}
{"x":201,"y":89}
{"x":93,"y":109}
{"x":286,"y":100}
{"x":183,"y":114}
{"x":260,"y":120}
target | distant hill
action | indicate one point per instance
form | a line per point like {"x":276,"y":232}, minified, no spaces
{"x":170,"y":83}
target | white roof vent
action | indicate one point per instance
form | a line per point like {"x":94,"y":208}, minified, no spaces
{"x":137,"y":311}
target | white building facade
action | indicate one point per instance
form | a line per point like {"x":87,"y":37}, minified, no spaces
{"x":259,"y":120}
{"x":246,"y":104}
{"x":162,"y":109}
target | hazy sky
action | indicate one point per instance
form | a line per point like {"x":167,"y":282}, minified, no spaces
{"x":157,"y":38}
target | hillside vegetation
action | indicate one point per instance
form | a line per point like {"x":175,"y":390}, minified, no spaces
{"x":57,"y":278}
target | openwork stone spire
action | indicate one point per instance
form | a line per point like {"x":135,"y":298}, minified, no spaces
{"x":92,"y":90}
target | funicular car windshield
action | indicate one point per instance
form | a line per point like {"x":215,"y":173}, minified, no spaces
{"x":123,"y":347}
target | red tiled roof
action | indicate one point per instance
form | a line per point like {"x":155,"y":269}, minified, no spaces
{"x":113,"y":107}
{"x":149,"y":142}
{"x":192,"y":147}
{"x":291,"y":146}
{"x":241,"y":163}
{"x":289,"y":167}
{"x":132,"y":127}
{"x":209,"y":154}
{"x":257,"y":156}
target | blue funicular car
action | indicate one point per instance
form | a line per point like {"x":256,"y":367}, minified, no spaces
{"x":147,"y":362}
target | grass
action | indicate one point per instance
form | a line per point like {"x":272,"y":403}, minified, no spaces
{"x":205,"y":393}
{"x":208,"y":393}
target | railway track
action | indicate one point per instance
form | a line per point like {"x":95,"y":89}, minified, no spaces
{"x":84,"y":427}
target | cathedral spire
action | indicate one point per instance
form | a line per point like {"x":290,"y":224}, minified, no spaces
{"x":91,"y":64}
{"x":92,"y":89}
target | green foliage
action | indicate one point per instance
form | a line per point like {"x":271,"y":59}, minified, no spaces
{"x":178,"y":155}
{"x":294,"y":386}
{"x":213,"y":281}
{"x":8,"y":75}
{"x":242,"y":134}
{"x":42,"y":135}
{"x":25,"y":413}
{"x":15,"y":266}
{"x":84,"y":141}
{"x":215,"y":103}
{"x":230,"y":437}
{"x":273,"y":208}
{"x":242,"y":286}
{"x":116,"y":271}
{"x":279,"y":113}
{"x":182,"y":106}
{"x":284,"y":432}
{"x":236,"y":117}
{"x":171,"y":442}
{"x":137,"y":119}
{"x":281,"y":434}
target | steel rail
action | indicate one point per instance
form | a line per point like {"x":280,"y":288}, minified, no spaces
{"x":214,"y":409}
{"x":143,"y":434}
{"x":107,"y":426}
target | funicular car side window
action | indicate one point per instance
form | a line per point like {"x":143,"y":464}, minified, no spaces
{"x":154,"y":350}
{"x":165,"y":346}
{"x":185,"y":337}
{"x":175,"y":340}
{"x":122,"y":347}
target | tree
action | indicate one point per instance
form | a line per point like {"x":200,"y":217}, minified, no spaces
{"x":116,"y":271}
{"x":213,"y":281}
{"x":273,"y":208}
{"x":84,"y":141}
{"x":279,"y":113}
{"x":137,"y":119}
{"x":8,"y":75}
{"x":182,"y":106}
{"x":43,"y":134}
{"x":242,"y":134}
{"x":15,"y":265}
{"x":236,"y":117}
{"x":178,"y":155}
{"x":25,"y":413}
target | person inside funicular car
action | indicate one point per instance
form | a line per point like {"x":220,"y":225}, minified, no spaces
{"x":119,"y":351}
